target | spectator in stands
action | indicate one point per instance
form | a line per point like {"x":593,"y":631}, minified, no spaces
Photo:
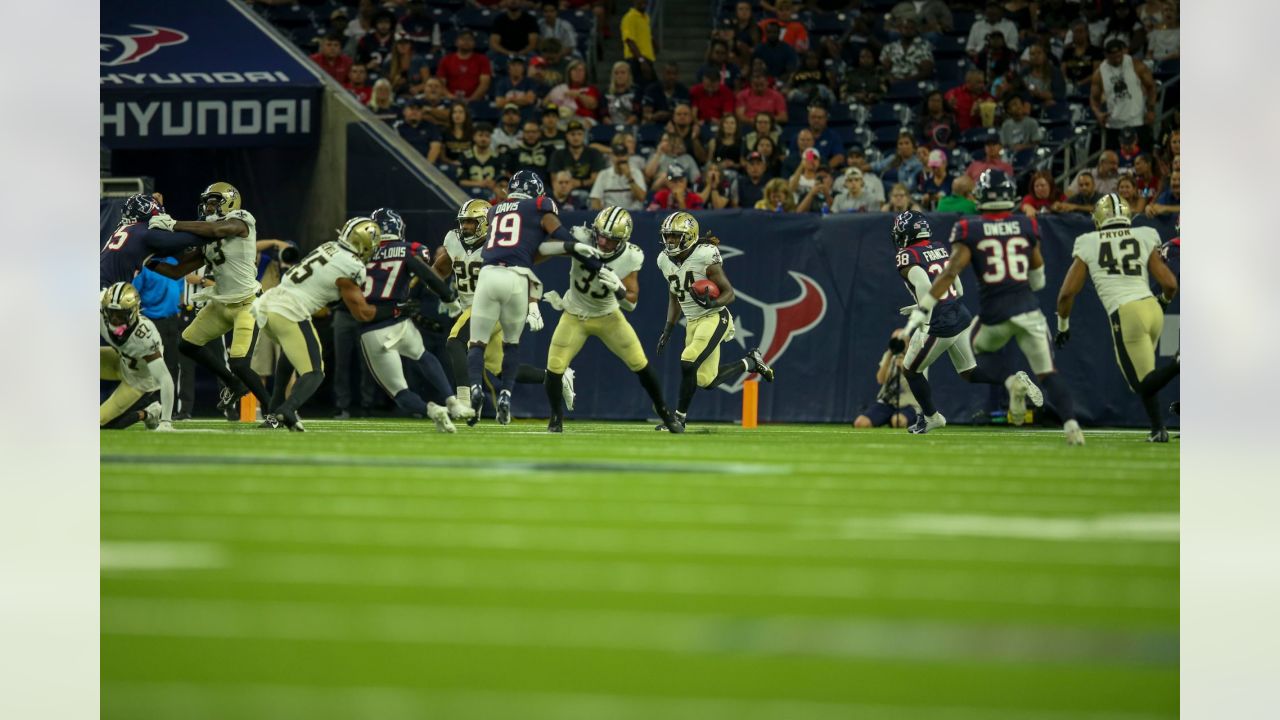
{"x":855,"y":157}
{"x":563,"y":193}
{"x":995,"y":59}
{"x":552,"y":63}
{"x":407,"y":72}
{"x":583,"y":163}
{"x":382,"y":101}
{"x":825,"y":139}
{"x":466,"y":73}
{"x":745,"y":32}
{"x":711,"y":98}
{"x":1084,"y":198}
{"x":507,"y":134}
{"x":819,"y":197}
{"x":423,"y":136}
{"x":931,"y":16}
{"x":751,"y":184}
{"x":867,"y":81}
{"x":1080,"y":57}
{"x":361,"y":23}
{"x":682,"y":125}
{"x":904,"y":165}
{"x":854,"y":196}
{"x":992,"y":20}
{"x":620,"y":184}
{"x":899,"y":200}
{"x":727,"y":71}
{"x":339,"y":21}
{"x":768,"y":149}
{"x":779,"y":58}
{"x":675,"y":194}
{"x":420,"y":27}
{"x":909,"y":57}
{"x":1148,"y":180}
{"x":622,"y":101}
{"x":1169,"y":201}
{"x":1025,"y":16}
{"x":332,"y":60}
{"x":375,"y":48}
{"x":457,"y":134}
{"x":636,"y":160}
{"x":777,"y":197}
{"x":966,"y":100}
{"x":1129,"y":149}
{"x":1044,"y":194}
{"x":994,"y":158}
{"x":515,"y":88}
{"x":660,"y":98}
{"x":551,"y":25}
{"x":552,"y":135}
{"x":1127,"y":188}
{"x":725,"y":147}
{"x":1123,"y":24}
{"x":718,"y":190}
{"x":802,"y":167}
{"x":514,"y":31}
{"x":637,"y":40}
{"x":794,"y":33}
{"x":1163,"y":42}
{"x":480,"y":164}
{"x":961,"y":198}
{"x":937,"y":124}
{"x":531,"y":153}
{"x":763,"y":125}
{"x":758,"y":98}
{"x":581,"y":98}
{"x":811,"y":82}
{"x":358,"y":84}
{"x":1019,"y":132}
{"x":671,"y":151}
{"x":435,"y":103}
{"x":1105,"y":175}
{"x":1043,"y":81}
{"x":935,"y":181}
{"x":1122,"y":95}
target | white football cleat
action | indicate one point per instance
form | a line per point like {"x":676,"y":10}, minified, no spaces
{"x":167,"y":426}
{"x":1075,"y":436}
{"x":566,"y":381}
{"x":1020,"y":390}
{"x":440,"y":415}
{"x":152,"y":420}
{"x":459,"y":409}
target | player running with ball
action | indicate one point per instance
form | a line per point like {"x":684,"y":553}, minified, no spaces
{"x":697,"y":286}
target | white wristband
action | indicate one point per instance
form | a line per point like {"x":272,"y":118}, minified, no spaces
{"x":1063,"y":323}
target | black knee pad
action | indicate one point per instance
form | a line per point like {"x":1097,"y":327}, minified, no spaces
{"x":188,"y":348}
{"x":240,"y":365}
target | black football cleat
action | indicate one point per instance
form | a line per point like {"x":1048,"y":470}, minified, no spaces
{"x":477,"y":404}
{"x":556,"y":425}
{"x":757,"y":365}
{"x":675,"y":423}
{"x":1158,"y":436}
{"x":504,"y":407}
{"x":291,"y":421}
{"x":1175,"y":406}
{"x":920,"y":426}
{"x":270,"y":422}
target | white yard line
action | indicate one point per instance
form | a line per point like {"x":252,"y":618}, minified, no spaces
{"x":121,"y":556}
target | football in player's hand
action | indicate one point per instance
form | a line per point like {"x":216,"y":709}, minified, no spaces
{"x":707,"y":288}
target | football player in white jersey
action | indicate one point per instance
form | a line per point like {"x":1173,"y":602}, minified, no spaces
{"x":233,"y":266}
{"x":334,"y":270}
{"x":459,"y":255}
{"x":592,"y":307}
{"x":1120,"y":259}
{"x":135,"y":356}
{"x":686,"y":259}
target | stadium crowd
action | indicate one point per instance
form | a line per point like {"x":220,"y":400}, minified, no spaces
{"x":822,"y":106}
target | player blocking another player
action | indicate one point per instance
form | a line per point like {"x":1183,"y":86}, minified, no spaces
{"x":333,"y":270}
{"x":461,"y":256}
{"x":686,"y":260}
{"x":948,"y":330}
{"x":132,"y":243}
{"x":395,"y":261}
{"x":233,"y":261}
{"x":521,"y":227}
{"x":1005,"y":252}
{"x":1119,"y":258}
{"x":592,"y":307}
{"x":135,"y":357}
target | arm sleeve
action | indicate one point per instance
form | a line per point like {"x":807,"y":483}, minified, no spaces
{"x":1035,"y":278}
{"x":438,"y":286}
{"x":163,"y":242}
{"x":919,"y":280}
{"x":160,"y":372}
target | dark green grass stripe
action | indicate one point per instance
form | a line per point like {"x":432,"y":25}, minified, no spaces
{"x":467,"y":463}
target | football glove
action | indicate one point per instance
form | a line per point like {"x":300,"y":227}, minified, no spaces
{"x":662,"y":339}
{"x":408,"y":309}
{"x":905,"y":310}
{"x":582,"y":234}
{"x":161,"y":222}
{"x":452,"y":309}
{"x":554,"y":300}
{"x":609,"y":279}
{"x":534,"y":318}
{"x":702,"y":298}
{"x":1164,"y":302}
{"x":918,"y":318}
{"x":1061,"y":337}
{"x":584,"y":250}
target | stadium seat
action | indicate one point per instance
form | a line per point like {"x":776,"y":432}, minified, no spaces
{"x":961,"y":21}
{"x":290,"y":17}
{"x":788,"y":135}
{"x":1058,"y":133}
{"x":882,"y":114}
{"x":886,"y":135}
{"x":904,"y":91}
{"x":825,"y":23}
{"x":1167,"y":69}
{"x":581,"y":20}
{"x":442,"y":16}
{"x":959,"y":158}
{"x":975,"y":139}
{"x":649,"y":134}
{"x":950,"y":73}
{"x":1055,"y":114}
{"x":478,"y":19}
{"x":602,"y":133}
{"x":482,"y":111}
{"x":1022,"y":159}
{"x":948,"y":47}
{"x":797,"y":110}
{"x":848,"y":134}
{"x":839,"y":114}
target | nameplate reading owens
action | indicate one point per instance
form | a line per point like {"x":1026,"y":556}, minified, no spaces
{"x":996,"y":229}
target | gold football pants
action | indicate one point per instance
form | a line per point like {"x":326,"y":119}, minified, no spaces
{"x":492,"y":350}
{"x":124,"y":396}
{"x":297,"y":340}
{"x":1135,"y":331}
{"x":217,"y":319}
{"x":612,"y":329}
{"x":702,"y":338}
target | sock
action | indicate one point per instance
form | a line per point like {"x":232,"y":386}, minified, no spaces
{"x":411,"y":403}
{"x":990,"y":371}
{"x":688,"y":385}
{"x":205,"y":359}
{"x":1151,"y":403}
{"x":302,"y":391}
{"x":1057,"y":395}
{"x":530,"y":375}
{"x":510,"y":365}
{"x":456,"y":349}
{"x":240,"y":368}
{"x":284,"y":370}
{"x":728,"y":371}
{"x":464,"y":394}
{"x":1155,"y":380}
{"x":475,"y":364}
{"x":438,"y":386}
{"x":919,"y":385}
{"x":649,"y":382}
{"x":555,"y":394}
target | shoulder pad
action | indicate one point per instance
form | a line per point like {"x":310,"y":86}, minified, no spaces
{"x":243,"y":215}
{"x":634,"y":249}
{"x":711,"y":253}
{"x":545,"y":204}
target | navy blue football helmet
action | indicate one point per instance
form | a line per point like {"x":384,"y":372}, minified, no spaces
{"x":995,"y":190}
{"x":140,"y":207}
{"x":909,"y":228}
{"x":389,"y":222}
{"x":527,"y":183}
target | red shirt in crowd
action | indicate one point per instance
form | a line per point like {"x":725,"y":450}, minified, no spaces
{"x":963,"y":101}
{"x":362,"y":93}
{"x":711,"y":105}
{"x":1041,"y":205}
{"x":337,"y":68}
{"x":770,"y":101}
{"x":462,"y":75}
{"x":662,"y":200}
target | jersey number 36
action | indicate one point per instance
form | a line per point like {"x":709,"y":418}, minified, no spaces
{"x":1006,"y":259}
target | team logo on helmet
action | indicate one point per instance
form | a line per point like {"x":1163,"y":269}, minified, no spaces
{"x":473,"y":210}
{"x":390,"y":223}
{"x":125,"y":49}
{"x":909,"y":228}
{"x":527,"y":183}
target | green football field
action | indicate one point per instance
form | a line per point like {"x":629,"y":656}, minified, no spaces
{"x":376,"y":569}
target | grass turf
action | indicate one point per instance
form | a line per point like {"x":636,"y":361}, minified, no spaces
{"x":375,"y":569}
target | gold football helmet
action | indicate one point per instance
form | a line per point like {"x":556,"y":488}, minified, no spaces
{"x":1111,"y":209}
{"x":120,"y":306}
{"x":360,"y":236}
{"x":613,"y":229}
{"x":477,"y":211}
{"x":217,"y":200}
{"x":679,"y":233}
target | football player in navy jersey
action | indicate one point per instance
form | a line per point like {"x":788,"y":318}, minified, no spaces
{"x":1004,"y":250}
{"x":124,"y":253}
{"x":919,"y":259}
{"x":391,"y":335}
{"x":522,"y":228}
